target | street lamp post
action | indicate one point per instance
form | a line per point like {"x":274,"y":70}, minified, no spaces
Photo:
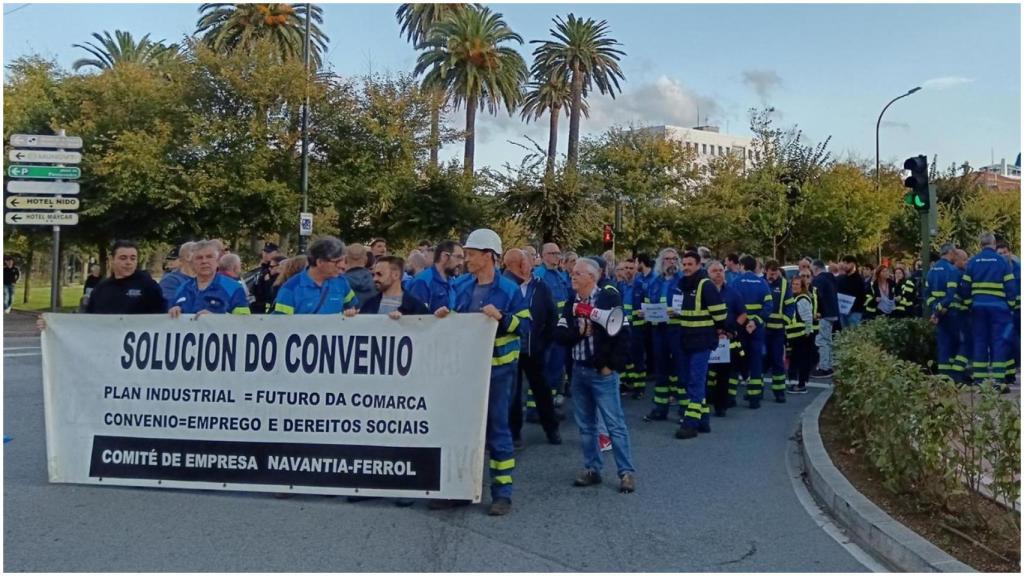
{"x":878,"y":161}
{"x":303,"y":240}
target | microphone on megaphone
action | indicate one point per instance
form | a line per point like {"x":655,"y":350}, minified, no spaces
{"x":611,"y":320}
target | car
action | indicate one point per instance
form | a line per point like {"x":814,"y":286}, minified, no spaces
{"x":791,"y":271}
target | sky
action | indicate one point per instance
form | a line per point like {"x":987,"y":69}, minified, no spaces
{"x":827,"y":69}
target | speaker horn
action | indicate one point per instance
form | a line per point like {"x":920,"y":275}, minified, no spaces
{"x":611,"y":320}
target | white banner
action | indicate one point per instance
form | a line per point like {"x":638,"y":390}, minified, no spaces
{"x":720,"y":355}
{"x":310,"y":404}
{"x":846,"y":303}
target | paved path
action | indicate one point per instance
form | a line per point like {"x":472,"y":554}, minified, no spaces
{"x":723,"y":502}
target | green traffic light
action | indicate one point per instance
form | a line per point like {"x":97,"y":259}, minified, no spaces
{"x":909,"y":199}
{"x":918,"y":201}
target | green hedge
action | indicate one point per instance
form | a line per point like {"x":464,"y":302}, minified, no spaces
{"x":925,"y":435}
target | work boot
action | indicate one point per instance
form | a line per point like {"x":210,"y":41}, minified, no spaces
{"x":500,"y":507}
{"x":686,"y":433}
{"x":447,"y":504}
{"x":627,"y":484}
{"x":586,"y":478}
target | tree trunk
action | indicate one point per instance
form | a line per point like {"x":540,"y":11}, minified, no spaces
{"x":574,"y":120}
{"x":104,"y":258}
{"x":435,"y":126}
{"x":467,"y":159}
{"x":27,"y":272}
{"x":552,"y":141}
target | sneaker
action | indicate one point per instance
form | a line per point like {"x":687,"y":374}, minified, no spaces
{"x":447,"y":504}
{"x":627,"y":484}
{"x":500,"y":507}
{"x":798,"y":389}
{"x":686,"y":433}
{"x":604,"y":442}
{"x":586,"y":478}
{"x":823,"y":373}
{"x":554,"y":437}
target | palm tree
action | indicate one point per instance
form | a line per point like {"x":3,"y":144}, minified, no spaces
{"x":549,"y":95}
{"x":582,"y":52}
{"x":227,"y":27}
{"x":416,"y":21}
{"x":465,"y":58}
{"x":120,"y":48}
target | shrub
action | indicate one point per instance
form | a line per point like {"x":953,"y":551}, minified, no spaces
{"x":924,"y":435}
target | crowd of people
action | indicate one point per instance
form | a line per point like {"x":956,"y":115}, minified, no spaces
{"x":703,"y":334}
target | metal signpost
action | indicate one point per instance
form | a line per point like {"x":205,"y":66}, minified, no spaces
{"x":48,"y":180}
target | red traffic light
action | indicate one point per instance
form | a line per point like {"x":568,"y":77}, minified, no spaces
{"x":609,"y":236}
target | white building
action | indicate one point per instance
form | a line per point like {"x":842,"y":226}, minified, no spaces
{"x":1003,"y":169}
{"x":708,"y":143}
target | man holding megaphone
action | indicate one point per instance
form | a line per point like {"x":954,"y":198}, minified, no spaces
{"x":595,"y":331}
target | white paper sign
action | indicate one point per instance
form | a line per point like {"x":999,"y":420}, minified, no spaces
{"x":310,"y":404}
{"x":720,"y":355}
{"x":655,"y":313}
{"x":677,"y":302}
{"x":845,"y":303}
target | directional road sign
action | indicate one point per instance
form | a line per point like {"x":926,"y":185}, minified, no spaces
{"x":41,"y":203}
{"x":29,"y":187}
{"x":41,"y":141}
{"x":44,"y":172}
{"x":42,"y":218}
{"x":45,"y":156}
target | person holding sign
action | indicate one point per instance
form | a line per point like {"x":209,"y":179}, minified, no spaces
{"x":724,"y":378}
{"x":488,"y":293}
{"x":390,"y":298}
{"x":702,"y":316}
{"x":319,"y":289}
{"x":597,"y":359}
{"x":757,"y":298}
{"x":210,"y":292}
{"x":665,"y":334}
{"x":775,"y":338}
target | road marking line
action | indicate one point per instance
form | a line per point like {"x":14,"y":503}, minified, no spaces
{"x":13,"y":348}
{"x":21,"y":354}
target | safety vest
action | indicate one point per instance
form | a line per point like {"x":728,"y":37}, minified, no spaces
{"x":796,"y":327}
{"x":777,"y":320}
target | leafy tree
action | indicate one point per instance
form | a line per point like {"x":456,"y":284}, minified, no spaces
{"x":465,"y":56}
{"x":416,"y":21}
{"x":230,"y":27}
{"x":583,"y":52}
{"x":123,"y":48}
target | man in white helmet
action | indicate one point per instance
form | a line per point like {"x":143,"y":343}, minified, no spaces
{"x":487,"y":292}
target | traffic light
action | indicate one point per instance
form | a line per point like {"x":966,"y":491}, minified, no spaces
{"x":609,"y":237}
{"x":917,"y":183}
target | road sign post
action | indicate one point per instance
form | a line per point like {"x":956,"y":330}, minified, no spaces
{"x":41,"y":203}
{"x":55,"y":219}
{"x":305,"y":224}
{"x":41,"y":187}
{"x":50,"y":156}
{"x":44,"y":172}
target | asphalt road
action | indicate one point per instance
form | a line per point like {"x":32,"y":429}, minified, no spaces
{"x":723,"y":502}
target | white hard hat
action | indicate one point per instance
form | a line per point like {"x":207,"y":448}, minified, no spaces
{"x":484,"y":239}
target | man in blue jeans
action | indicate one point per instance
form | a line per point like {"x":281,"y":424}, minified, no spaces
{"x":597,"y":359}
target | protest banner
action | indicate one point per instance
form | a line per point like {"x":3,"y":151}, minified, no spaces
{"x":305,"y":404}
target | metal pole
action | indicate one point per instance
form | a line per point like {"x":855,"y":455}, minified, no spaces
{"x":618,"y":223}
{"x":303,"y":240}
{"x":55,"y":255}
{"x":878,"y":161}
{"x":926,"y":241}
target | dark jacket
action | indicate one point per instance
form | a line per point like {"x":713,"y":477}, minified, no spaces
{"x":263,"y":290}
{"x":361,"y":281}
{"x":543,"y":316}
{"x":11,"y":275}
{"x":136,"y":294}
{"x":609,"y":352}
{"x":410,"y":305}
{"x":825,"y":289}
{"x":853,"y":285}
{"x":704,"y":312}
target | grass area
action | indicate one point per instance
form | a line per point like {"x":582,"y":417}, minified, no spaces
{"x":39,"y":297}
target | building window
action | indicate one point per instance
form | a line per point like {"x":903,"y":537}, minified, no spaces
{"x":703,"y":148}
{"x":720,"y":153}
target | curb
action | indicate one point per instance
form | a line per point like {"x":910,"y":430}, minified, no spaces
{"x":880,"y":533}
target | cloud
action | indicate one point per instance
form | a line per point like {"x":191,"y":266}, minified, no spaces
{"x":764,"y":82}
{"x":944,"y":82}
{"x":664,"y":101}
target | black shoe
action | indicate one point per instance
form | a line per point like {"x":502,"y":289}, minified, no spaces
{"x":797,"y":389}
{"x":447,"y":504}
{"x":404,"y":502}
{"x":554,"y":437}
{"x":823,"y":373}
{"x":686,"y":433}
{"x":500,"y":507}
{"x":587,"y":478}
{"x":655,"y":417}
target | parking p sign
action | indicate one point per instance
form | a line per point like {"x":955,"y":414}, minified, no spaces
{"x":305,"y":224}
